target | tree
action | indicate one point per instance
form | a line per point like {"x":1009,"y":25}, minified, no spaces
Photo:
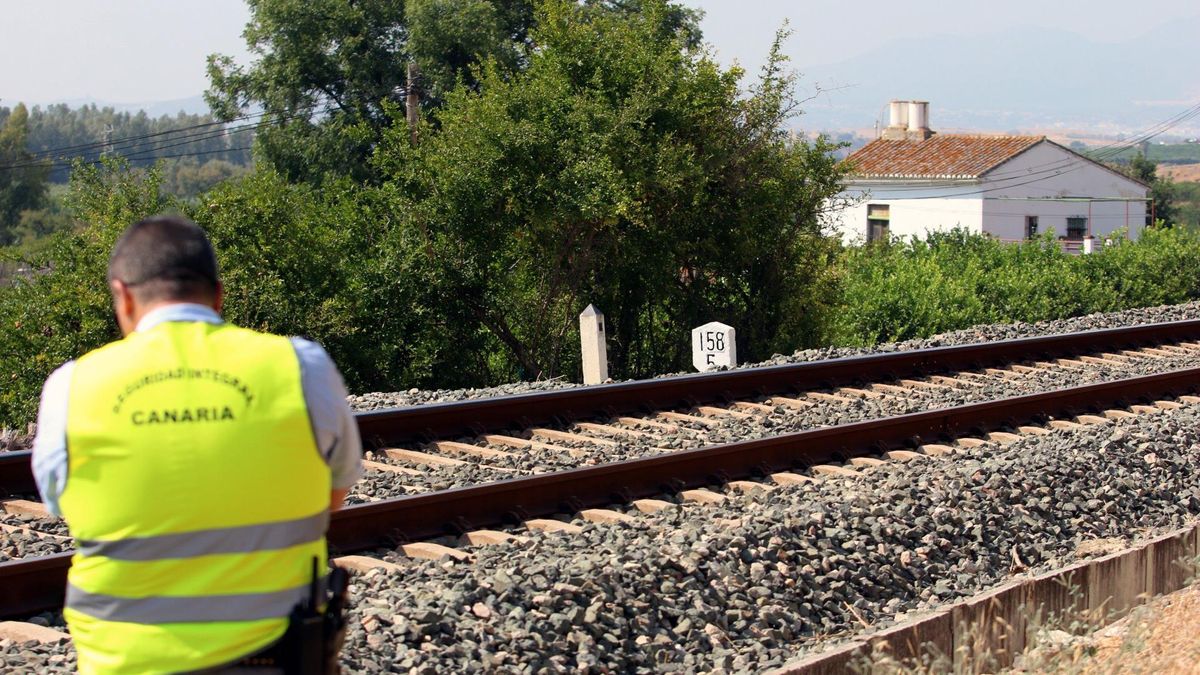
{"x":22,"y":180}
{"x":64,"y":309}
{"x":622,"y":167}
{"x":1162,"y":190}
{"x":326,"y":71}
{"x":188,"y":178}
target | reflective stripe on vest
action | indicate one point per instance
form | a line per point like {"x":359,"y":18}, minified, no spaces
{"x":189,"y":609}
{"x":244,"y":539}
{"x":196,"y":495}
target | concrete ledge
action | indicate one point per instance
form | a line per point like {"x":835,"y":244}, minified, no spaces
{"x":987,"y":631}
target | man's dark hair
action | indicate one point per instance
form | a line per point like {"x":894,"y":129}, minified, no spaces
{"x":165,"y":258}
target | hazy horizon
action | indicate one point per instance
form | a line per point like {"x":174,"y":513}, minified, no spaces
{"x":131,"y":52}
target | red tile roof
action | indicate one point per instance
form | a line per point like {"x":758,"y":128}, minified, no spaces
{"x":939,"y":156}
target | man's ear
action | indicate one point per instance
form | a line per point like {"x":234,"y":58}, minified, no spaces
{"x":124,"y":305}
{"x":218,"y":298}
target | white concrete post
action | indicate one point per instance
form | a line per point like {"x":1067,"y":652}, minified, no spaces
{"x":713,"y":346}
{"x":594,"y":345}
{"x":1089,"y":245}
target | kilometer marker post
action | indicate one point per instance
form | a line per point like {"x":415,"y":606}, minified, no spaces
{"x":594,"y":345}
{"x":714,"y":346}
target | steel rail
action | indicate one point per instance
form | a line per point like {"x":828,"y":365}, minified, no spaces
{"x":422,"y":423}
{"x":29,"y":586}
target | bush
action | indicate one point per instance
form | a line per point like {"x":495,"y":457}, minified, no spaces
{"x":907,"y":289}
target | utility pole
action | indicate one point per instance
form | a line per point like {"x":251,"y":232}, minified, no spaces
{"x":108,"y":133}
{"x":412,"y":103}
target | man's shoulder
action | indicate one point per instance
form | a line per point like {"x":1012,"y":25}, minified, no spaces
{"x":60,"y":378}
{"x":316,"y":364}
{"x":310,"y":349}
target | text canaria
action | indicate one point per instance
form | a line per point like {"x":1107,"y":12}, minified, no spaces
{"x":141,"y":417}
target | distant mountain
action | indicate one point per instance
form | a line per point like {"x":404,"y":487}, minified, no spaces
{"x":1024,"y":78}
{"x":194,"y":105}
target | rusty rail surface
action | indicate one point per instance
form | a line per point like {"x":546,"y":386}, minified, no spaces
{"x":423,"y":423}
{"x":37,"y":584}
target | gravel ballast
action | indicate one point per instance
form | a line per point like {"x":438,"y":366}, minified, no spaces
{"x":32,"y":536}
{"x":752,"y":583}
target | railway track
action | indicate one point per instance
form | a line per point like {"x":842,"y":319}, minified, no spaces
{"x":558,"y":422}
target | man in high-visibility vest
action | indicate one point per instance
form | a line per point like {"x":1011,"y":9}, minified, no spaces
{"x":196,"y":464}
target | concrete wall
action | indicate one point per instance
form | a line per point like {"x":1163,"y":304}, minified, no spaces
{"x":1041,"y":180}
{"x":913,"y":212}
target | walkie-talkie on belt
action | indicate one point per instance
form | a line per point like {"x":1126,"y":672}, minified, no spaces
{"x":314,"y":637}
{"x":303,"y":644}
{"x":335,"y":618}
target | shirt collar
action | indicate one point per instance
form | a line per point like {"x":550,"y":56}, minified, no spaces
{"x":180,"y":311}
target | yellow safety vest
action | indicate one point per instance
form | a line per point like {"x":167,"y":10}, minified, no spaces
{"x":196,"y":495}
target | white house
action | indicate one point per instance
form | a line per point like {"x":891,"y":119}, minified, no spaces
{"x":911,"y":181}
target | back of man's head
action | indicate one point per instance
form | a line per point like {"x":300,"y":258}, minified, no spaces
{"x":165,"y":258}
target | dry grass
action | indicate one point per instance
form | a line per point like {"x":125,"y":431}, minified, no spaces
{"x":1162,"y":637}
{"x":1180,"y":172}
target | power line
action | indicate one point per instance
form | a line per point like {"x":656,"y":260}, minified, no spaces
{"x":188,"y":139}
{"x":49,"y":153}
{"x":171,"y":156}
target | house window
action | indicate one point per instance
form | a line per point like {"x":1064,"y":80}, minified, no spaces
{"x":1031,"y":227}
{"x":1077,"y":227}
{"x":878,"y":218}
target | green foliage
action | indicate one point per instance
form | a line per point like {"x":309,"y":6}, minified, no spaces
{"x":909,"y":289}
{"x":625,"y":169}
{"x":327,"y":71}
{"x":1162,"y":190}
{"x":22,"y":180}
{"x":1187,"y":204}
{"x":323,"y":72}
{"x":448,"y":37}
{"x":328,"y":264}
{"x":188,"y":178}
{"x":62,"y":309}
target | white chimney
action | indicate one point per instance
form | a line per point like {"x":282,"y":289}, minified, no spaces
{"x":897,"y":121}
{"x":918,"y":120}
{"x":899,"y":114}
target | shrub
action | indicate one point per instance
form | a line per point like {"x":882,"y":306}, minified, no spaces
{"x":913,"y":288}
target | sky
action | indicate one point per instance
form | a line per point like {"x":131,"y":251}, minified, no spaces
{"x":133,"y":51}
{"x":829,"y":31}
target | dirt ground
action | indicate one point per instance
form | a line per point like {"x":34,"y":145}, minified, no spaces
{"x":1180,"y":172}
{"x":1162,"y":637}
